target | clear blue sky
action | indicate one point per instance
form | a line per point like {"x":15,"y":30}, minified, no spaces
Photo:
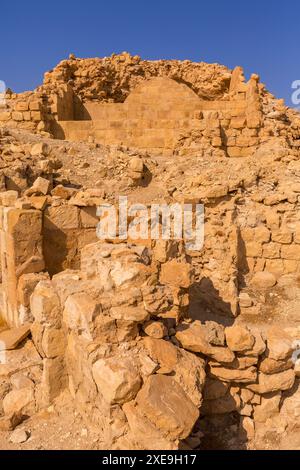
{"x":262,"y":36}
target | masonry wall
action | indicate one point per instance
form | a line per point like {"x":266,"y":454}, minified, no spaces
{"x":159,"y":112}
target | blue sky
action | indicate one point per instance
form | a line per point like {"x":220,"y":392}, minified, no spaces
{"x":262,"y":36}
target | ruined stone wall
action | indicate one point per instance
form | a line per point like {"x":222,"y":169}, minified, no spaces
{"x":160,"y":114}
{"x":214,"y":111}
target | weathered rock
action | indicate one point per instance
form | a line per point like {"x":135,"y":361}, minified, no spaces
{"x":263,"y":280}
{"x":137,"y":314}
{"x":271,"y":366}
{"x":193,"y":337}
{"x":273,"y":382}
{"x":80,"y":313}
{"x":176,"y":273}
{"x":53,"y":380}
{"x":53,"y":342}
{"x":40,"y":186}
{"x":160,"y":400}
{"x":245,"y":300}
{"x":155,"y":329}
{"x":190,"y":374}
{"x":215,"y":333}
{"x":279,"y":343}
{"x":21,"y":402}
{"x":45,"y":304}
{"x":9,"y":339}
{"x":19,"y":436}
{"x":162,"y":352}
{"x":144,"y":434}
{"x":258,"y":347}
{"x":268,"y":408}
{"x":248,"y":375}
{"x":41,"y":148}
{"x":240,"y":362}
{"x":239,"y":338}
{"x":116,"y":379}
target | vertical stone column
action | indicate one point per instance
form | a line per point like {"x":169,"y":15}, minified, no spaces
{"x":21,"y":253}
{"x":254,"y":108}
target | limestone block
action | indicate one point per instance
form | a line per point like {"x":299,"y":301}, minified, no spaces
{"x":176,"y":273}
{"x":36,"y":116}
{"x":193,"y":337}
{"x":271,"y":250}
{"x":143,"y":432}
{"x":88,"y":217}
{"x":8,"y":198}
{"x":9,"y":339}
{"x":53,"y":382}
{"x":116,"y":379}
{"x":273,"y":382}
{"x":290,"y":252}
{"x":246,"y":429}
{"x":137,"y":314}
{"x":155,"y":329}
{"x":61,"y":217}
{"x":45,"y":304}
{"x":162,"y":352}
{"x":26,"y":115}
{"x":258,"y":347}
{"x":290,"y":266}
{"x":253,"y":249}
{"x":268,"y":408}
{"x":275,"y":266}
{"x":164,"y":250}
{"x":263,"y":280}
{"x":5,"y":116}
{"x":79,"y":313}
{"x":21,"y":106}
{"x":160,"y":400}
{"x":40,"y":148}
{"x":40,"y":187}
{"x":239,"y":338}
{"x":272,"y":366}
{"x":34,"y":105}
{"x":191,"y":375}
{"x":282,"y":236}
{"x":279,"y":343}
{"x":53,"y":342}
{"x":17,"y":116}
{"x":238,"y":122}
{"x":234,"y":375}
{"x":21,"y":402}
{"x":262,"y":234}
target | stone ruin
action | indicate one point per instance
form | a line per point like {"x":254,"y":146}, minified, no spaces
{"x":159,"y":346}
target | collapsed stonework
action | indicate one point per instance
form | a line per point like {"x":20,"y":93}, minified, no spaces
{"x":159,"y":346}
{"x":117,"y":101}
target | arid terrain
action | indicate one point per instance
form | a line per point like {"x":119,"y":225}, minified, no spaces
{"x":142,"y":343}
